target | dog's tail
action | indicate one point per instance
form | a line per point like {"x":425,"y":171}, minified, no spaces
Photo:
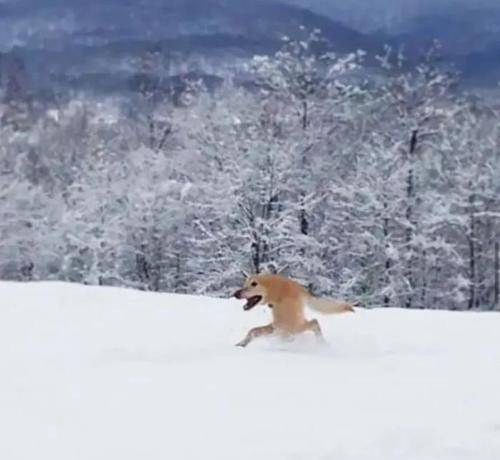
{"x":329,"y":306}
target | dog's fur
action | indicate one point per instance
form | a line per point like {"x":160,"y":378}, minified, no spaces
{"x":287,"y":298}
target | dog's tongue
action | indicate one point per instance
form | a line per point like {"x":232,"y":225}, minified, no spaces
{"x":251,"y":302}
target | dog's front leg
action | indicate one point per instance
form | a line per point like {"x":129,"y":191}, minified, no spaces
{"x":254,"y":333}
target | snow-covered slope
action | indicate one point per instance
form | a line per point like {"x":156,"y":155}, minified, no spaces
{"x":96,"y":373}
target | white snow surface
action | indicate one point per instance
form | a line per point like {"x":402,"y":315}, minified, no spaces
{"x":103,"y":373}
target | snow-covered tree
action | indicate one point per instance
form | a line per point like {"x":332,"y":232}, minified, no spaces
{"x":383,"y":190}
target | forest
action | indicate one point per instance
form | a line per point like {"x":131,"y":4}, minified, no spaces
{"x":379,"y":183}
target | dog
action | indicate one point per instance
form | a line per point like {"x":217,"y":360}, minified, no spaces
{"x":287,"y":299}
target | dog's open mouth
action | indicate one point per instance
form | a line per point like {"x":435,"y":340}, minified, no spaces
{"x":252,"y":301}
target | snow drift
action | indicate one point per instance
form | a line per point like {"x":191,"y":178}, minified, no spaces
{"x":101,"y":373}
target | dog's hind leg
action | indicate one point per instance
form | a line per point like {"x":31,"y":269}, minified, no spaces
{"x":314,"y":326}
{"x":254,"y":333}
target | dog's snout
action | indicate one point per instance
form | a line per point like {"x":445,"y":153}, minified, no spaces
{"x":238,"y":293}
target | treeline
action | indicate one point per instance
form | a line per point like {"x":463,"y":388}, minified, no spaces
{"x":382,"y":187}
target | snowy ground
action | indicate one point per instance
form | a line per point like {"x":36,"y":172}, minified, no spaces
{"x":95,"y":373}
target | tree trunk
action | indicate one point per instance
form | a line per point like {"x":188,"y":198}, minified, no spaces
{"x":27,"y":271}
{"x":142,"y":267}
{"x":410,"y":197}
{"x":497,"y":275}
{"x":151,"y":128}
{"x":472,"y":254}
{"x":304,"y":222}
{"x":305,"y":115}
{"x":388,"y":263}
{"x":423,"y":297}
{"x":177,"y":282}
{"x":256,"y":256}
{"x":269,"y":209}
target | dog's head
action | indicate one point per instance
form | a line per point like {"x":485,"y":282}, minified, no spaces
{"x":253,"y":291}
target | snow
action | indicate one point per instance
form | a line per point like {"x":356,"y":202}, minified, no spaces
{"x":104,"y":373}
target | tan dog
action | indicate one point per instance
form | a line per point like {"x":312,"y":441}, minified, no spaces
{"x":287,"y":299}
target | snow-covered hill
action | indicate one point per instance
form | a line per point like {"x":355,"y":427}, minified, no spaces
{"x":96,"y":373}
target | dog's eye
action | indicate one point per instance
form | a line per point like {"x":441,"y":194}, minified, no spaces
{"x":253,"y":284}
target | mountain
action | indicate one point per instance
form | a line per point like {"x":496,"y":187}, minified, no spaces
{"x":61,"y":22}
{"x":469,"y":37}
{"x":372,"y":15}
{"x":468,"y":31}
{"x":101,"y":45}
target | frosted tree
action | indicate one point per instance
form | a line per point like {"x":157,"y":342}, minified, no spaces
{"x":307,"y":88}
{"x":410,"y":110}
{"x":384,"y":191}
{"x":472,"y":189}
{"x":237,"y":192}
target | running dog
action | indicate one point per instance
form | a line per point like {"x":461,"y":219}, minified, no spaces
{"x":287,"y":299}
